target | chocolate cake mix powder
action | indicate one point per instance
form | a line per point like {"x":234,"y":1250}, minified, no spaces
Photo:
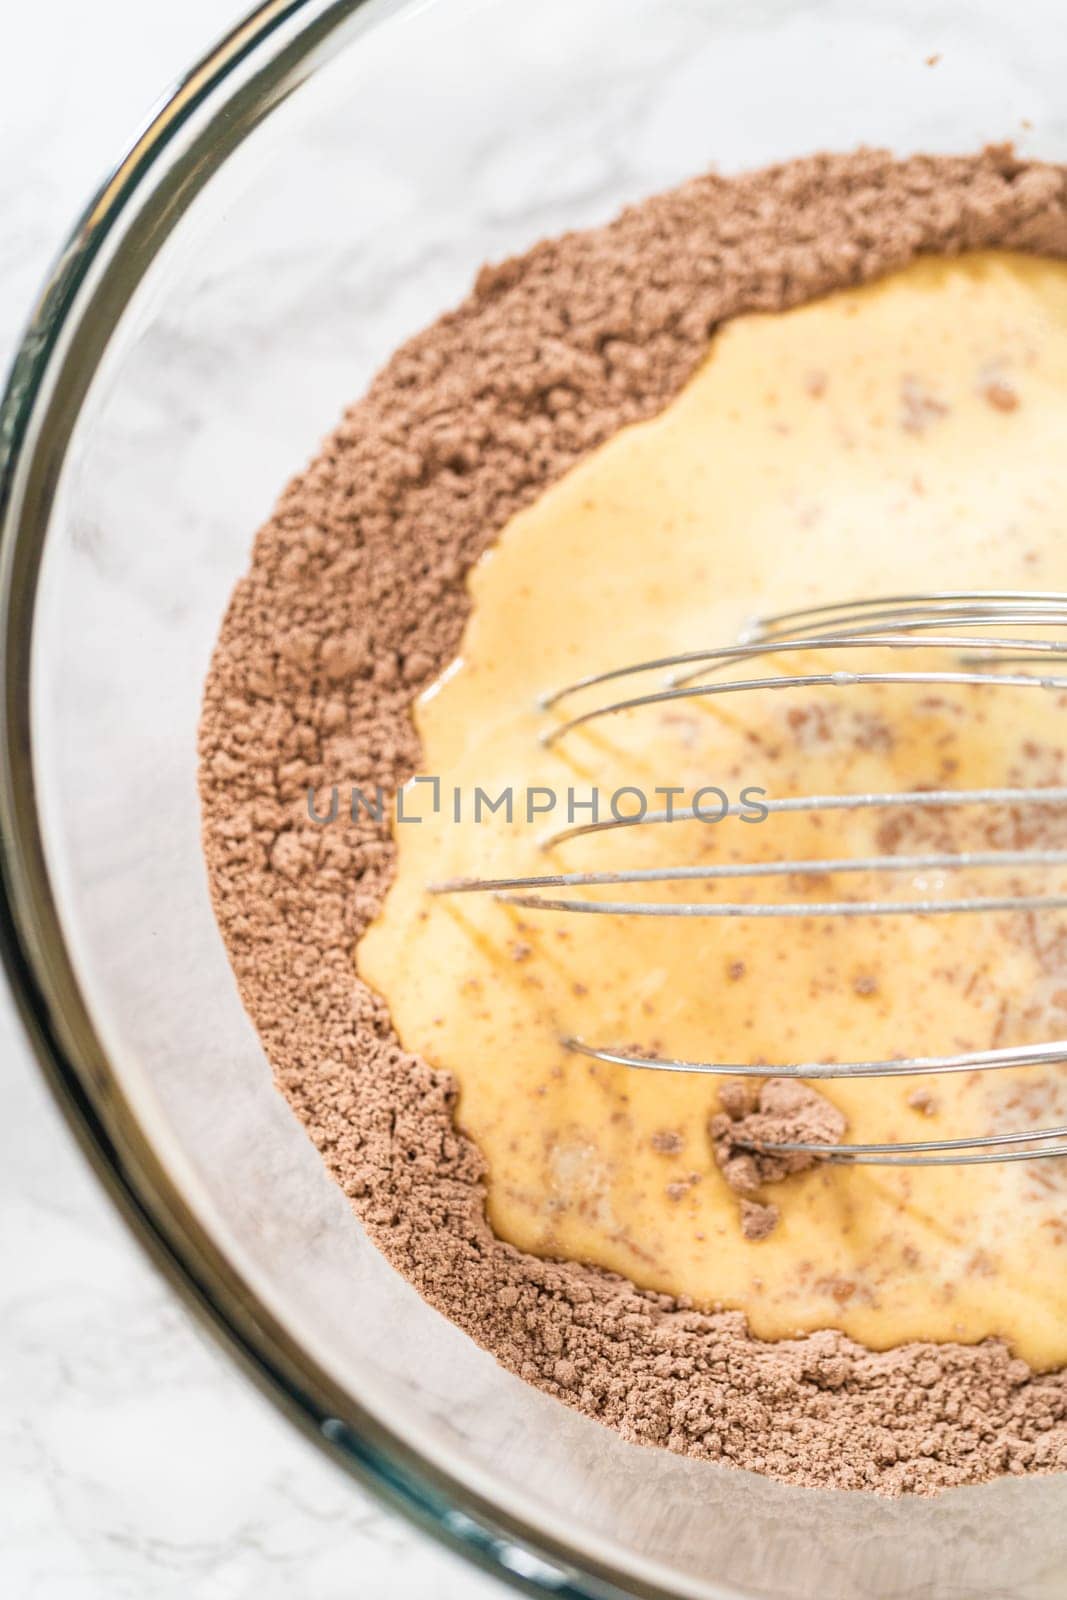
{"x":355,"y":601}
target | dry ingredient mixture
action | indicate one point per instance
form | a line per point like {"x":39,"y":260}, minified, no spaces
{"x":355,"y":601}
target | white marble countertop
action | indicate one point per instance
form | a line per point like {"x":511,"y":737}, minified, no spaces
{"x":134,"y":1460}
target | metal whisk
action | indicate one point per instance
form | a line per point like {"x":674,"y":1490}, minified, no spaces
{"x":944,"y":622}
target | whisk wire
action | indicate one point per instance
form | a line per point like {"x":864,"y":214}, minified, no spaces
{"x":900,"y":622}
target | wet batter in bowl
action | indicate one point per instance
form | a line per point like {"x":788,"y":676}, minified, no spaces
{"x":931,"y":403}
{"x":897,"y":436}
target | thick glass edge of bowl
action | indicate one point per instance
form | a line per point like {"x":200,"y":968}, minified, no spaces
{"x":192,"y":131}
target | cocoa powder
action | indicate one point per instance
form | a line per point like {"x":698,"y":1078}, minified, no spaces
{"x":355,"y":600}
{"x":771,"y":1111}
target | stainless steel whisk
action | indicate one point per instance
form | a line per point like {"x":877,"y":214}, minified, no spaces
{"x":942,"y":621}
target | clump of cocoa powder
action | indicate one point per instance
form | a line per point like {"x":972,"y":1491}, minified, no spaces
{"x":756,"y":1115}
{"x":355,"y":600}
{"x":758,"y":1219}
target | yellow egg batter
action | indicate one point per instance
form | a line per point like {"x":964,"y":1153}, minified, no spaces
{"x":908,"y":435}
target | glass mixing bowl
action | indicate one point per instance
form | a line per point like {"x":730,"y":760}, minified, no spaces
{"x":325,"y":182}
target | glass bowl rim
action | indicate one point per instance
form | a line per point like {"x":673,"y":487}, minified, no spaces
{"x":196,"y":125}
